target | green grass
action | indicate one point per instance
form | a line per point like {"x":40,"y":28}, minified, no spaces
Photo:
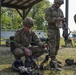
{"x":3,"y":41}
{"x":63,"y":43}
{"x":6,"y":60}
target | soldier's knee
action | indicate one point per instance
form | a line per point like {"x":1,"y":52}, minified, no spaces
{"x":18,"y":53}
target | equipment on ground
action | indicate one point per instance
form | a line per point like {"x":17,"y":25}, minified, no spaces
{"x":66,"y":33}
{"x":69,"y":62}
{"x":16,"y":64}
{"x":29,"y":62}
{"x":26,"y":68}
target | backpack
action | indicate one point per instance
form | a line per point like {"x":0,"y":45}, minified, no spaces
{"x":12,"y":47}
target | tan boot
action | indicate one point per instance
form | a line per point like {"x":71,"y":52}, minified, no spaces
{"x":55,"y":65}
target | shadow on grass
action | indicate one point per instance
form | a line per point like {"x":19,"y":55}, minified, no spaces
{"x":72,"y":67}
{"x":8,"y":71}
{"x":67,"y":70}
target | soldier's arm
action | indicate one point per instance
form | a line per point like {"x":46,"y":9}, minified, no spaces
{"x":48,"y":15}
{"x":17,"y":40}
{"x":36,"y":39}
{"x":52,"y":18}
{"x":61,"y":17}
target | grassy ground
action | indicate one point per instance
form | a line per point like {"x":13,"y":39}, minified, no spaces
{"x":6,"y":59}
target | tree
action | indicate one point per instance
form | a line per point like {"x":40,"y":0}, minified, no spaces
{"x":38,"y":14}
{"x":12,"y":20}
{"x":5,"y":19}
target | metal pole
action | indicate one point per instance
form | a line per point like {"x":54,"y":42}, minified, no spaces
{"x":66,"y":12}
{"x":0,"y":22}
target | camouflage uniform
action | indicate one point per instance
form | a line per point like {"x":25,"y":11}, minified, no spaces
{"x":51,"y":14}
{"x":23,"y":40}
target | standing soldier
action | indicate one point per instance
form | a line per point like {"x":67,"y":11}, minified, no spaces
{"x":54,"y":16}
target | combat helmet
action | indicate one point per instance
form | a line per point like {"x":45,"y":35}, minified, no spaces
{"x":59,"y":1}
{"x":29,"y":22}
{"x":16,"y":64}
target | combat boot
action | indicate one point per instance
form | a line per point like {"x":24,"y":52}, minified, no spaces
{"x":58,"y":61}
{"x":55,"y":65}
{"x":43,"y":62}
{"x":29,"y":62}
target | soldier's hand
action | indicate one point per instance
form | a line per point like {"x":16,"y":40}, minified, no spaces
{"x":46,"y":46}
{"x":27,"y":52}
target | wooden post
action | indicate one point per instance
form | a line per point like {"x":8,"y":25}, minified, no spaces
{"x":0,"y":22}
{"x":66,"y":12}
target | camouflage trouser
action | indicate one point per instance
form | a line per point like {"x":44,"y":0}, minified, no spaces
{"x":54,"y":39}
{"x":36,"y":51}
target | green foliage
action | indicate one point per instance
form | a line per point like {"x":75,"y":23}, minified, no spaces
{"x":12,"y":20}
{"x":6,"y":21}
{"x":38,"y":14}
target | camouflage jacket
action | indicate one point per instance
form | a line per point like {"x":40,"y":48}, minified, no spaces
{"x":23,"y":39}
{"x":52,"y":13}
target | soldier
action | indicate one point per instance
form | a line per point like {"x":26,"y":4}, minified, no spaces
{"x":22,"y":40}
{"x":54,"y":17}
{"x":75,"y":18}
